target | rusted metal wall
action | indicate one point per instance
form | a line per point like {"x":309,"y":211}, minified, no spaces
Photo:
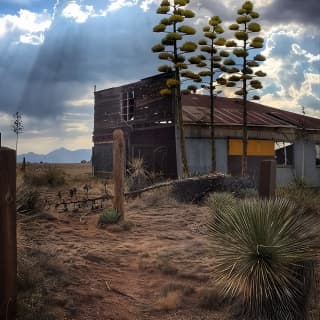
{"x":157,"y":148}
{"x":234,"y":166}
{"x":147,"y":119}
{"x":102,"y":159}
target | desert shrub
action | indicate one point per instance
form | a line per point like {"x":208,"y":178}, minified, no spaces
{"x":220,"y":199}
{"x":265,"y":252}
{"x":50,"y":176}
{"x":111,"y":216}
{"x":170,"y":301}
{"x":28,"y":199}
{"x":208,"y":298}
{"x":33,"y":286}
{"x":186,"y":290}
{"x":122,"y":226}
{"x":156,"y":177}
{"x":158,"y":197}
{"x":306,"y":199}
{"x":137,"y":175}
{"x":247,"y":193}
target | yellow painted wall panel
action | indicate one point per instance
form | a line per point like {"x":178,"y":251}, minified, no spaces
{"x":255,"y":147}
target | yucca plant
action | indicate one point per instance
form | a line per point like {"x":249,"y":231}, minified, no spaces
{"x":265,"y":252}
{"x":137,"y":174}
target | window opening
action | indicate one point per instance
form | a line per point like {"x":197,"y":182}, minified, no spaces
{"x":284,"y":153}
{"x":128,"y":104}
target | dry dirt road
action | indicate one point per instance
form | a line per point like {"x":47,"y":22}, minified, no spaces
{"x":159,"y":266}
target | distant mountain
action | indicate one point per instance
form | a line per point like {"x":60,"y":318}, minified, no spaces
{"x":60,"y":155}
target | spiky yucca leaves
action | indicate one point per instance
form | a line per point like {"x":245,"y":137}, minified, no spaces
{"x":265,"y":253}
{"x":137,"y":175}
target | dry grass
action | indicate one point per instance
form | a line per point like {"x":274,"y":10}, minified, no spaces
{"x":209,"y":298}
{"x":122,"y":226}
{"x":186,"y":290}
{"x":158,"y":263}
{"x":166,"y":266}
{"x":170,"y":301}
{"x":305,"y":198}
{"x":48,"y":176}
{"x":36,"y":269}
{"x":155,"y":198}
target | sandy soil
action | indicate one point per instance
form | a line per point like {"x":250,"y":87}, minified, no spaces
{"x":157,"y":266}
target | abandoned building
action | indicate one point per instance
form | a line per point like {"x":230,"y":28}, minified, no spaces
{"x":148,"y":121}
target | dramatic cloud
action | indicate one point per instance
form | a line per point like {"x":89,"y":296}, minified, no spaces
{"x":281,"y":11}
{"x":76,"y":12}
{"x":52,"y":53}
{"x":27,"y":24}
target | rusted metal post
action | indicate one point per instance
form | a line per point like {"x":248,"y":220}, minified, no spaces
{"x":118,"y":170}
{"x":267,"y":181}
{"x":8,"y":237}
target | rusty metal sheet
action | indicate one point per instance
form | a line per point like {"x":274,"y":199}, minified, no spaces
{"x":228,"y":111}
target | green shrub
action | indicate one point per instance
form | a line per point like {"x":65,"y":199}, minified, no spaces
{"x":265,"y":252}
{"x":111,"y":216}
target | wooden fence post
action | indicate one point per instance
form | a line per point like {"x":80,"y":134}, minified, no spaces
{"x":267,"y":181}
{"x":118,"y":170}
{"x":8,"y":237}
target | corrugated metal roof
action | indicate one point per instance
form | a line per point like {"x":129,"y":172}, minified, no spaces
{"x":228,"y":111}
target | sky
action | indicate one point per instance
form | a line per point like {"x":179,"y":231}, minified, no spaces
{"x":53,"y":53}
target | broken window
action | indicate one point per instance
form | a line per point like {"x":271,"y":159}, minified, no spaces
{"x":317,"y":146}
{"x":284,"y":153}
{"x":128,"y":105}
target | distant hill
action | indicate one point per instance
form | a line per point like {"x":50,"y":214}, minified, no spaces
{"x":60,"y":155}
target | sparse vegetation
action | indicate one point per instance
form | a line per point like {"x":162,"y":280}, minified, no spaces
{"x":209,"y":298}
{"x":49,"y":176}
{"x":110,"y":216}
{"x":122,"y":226}
{"x":265,"y":253}
{"x":33,"y":283}
{"x":306,"y":199}
{"x":137,"y":177}
{"x":28,"y":199}
{"x":172,"y":286}
{"x":246,"y":193}
{"x":160,"y":254}
{"x":170,"y":301}
{"x":220,"y":199}
{"x":159,"y":197}
{"x":17,"y":126}
{"x":166,"y":266}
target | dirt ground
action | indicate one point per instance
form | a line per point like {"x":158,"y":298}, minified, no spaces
{"x":158,"y":265}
